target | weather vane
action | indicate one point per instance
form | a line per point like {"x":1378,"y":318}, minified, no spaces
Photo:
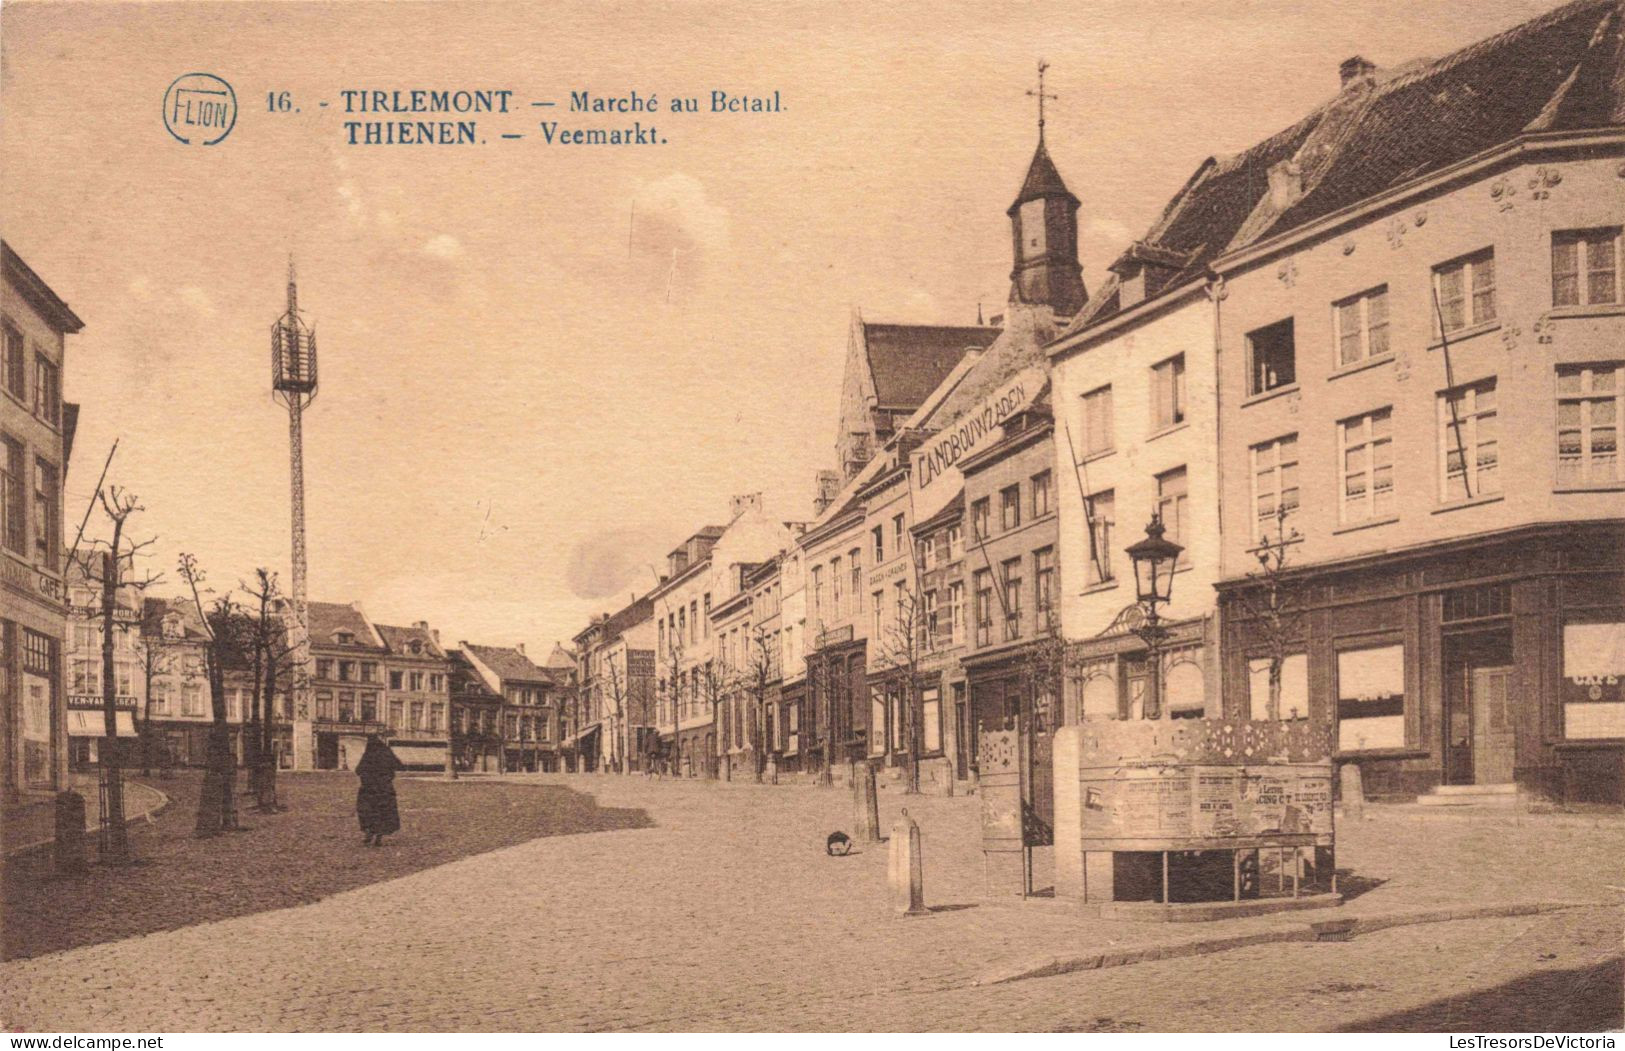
{"x":1041,"y":95}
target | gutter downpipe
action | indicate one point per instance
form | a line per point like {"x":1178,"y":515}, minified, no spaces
{"x":1217,"y":292}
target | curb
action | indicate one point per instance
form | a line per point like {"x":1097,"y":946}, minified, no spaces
{"x":163,"y":804}
{"x":1302,"y":932}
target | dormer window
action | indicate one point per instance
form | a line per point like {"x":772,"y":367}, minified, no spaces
{"x":416,"y":647}
{"x":172,"y":625}
{"x":344,"y":638}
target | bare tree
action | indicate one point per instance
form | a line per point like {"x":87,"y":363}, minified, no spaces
{"x":672,"y":659}
{"x":113,"y":568}
{"x":901,"y":649}
{"x":1273,"y":604}
{"x":761,"y":668}
{"x":1043,"y":668}
{"x":717,"y":686}
{"x":227,"y":637}
{"x":270,"y":653}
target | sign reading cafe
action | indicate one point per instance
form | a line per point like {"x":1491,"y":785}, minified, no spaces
{"x":936,"y":478}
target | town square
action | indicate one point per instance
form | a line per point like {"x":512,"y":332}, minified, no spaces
{"x":1157,"y":565}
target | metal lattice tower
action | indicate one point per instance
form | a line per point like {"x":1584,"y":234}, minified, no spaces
{"x":293,"y":382}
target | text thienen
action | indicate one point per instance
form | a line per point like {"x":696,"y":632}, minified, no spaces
{"x":636,"y":135}
{"x":410,"y":133}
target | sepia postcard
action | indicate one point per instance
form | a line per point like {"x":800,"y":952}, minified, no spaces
{"x":731,"y":517}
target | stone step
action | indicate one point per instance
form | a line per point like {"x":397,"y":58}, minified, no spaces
{"x":1507,"y":789}
{"x":1495,"y":801}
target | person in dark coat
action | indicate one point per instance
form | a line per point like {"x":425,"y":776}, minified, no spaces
{"x":375,"y":804}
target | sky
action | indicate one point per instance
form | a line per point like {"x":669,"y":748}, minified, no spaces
{"x":542,"y":367}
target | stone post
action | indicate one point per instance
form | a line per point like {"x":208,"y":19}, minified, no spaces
{"x":865,"y":805}
{"x":1352,"y":791}
{"x":69,"y":850}
{"x":904,"y":876}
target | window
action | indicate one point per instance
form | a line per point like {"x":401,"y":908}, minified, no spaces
{"x":87,"y":676}
{"x":397,"y":715}
{"x":928,"y":553}
{"x":707,"y":614}
{"x":682,"y":623}
{"x":369,"y":706}
{"x":1010,"y":571}
{"x":818,"y":593}
{"x":956,"y":543}
{"x":897,"y":535}
{"x":192,"y":700}
{"x":878,"y":535}
{"x":1044,"y":581}
{"x":694,"y":622}
{"x":11,"y":365}
{"x":47,"y":391}
{"x":1294,"y":696}
{"x":395,"y":680}
{"x":435,"y":681}
{"x":346,"y":706}
{"x":1368,"y":467}
{"x":369,"y":672}
{"x":1097,"y":421}
{"x":1168,"y":392}
{"x":1171,"y":494}
{"x":1585,"y":267}
{"x":1272,"y":358}
{"x":855,"y":556}
{"x":956,"y":612}
{"x":1275,"y":477}
{"x":346,"y":671}
{"x":979,"y":515}
{"x":1371,"y":698}
{"x":1100,"y":512}
{"x":902,"y":605}
{"x":1361,"y":327}
{"x":983,"y":609}
{"x":878,"y":599}
{"x":1589,"y":418}
{"x":160,"y":699}
{"x":930,"y":720}
{"x":930,"y":622}
{"x":1468,"y":449}
{"x":324,"y":668}
{"x":1042,"y":493}
{"x":437,"y":715}
{"x":47,"y":533}
{"x":1465,"y":290}
{"x":1010,"y":507}
{"x":836,"y":581}
{"x":414,"y":682}
{"x":11,"y":494}
{"x":1593,"y":670}
{"x":877,"y":720}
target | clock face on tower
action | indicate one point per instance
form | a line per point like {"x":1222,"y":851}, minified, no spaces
{"x":1033,"y":229}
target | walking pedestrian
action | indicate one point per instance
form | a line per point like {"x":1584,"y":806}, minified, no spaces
{"x":375,"y":804}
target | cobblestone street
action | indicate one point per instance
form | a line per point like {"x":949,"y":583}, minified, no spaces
{"x":726,"y":914}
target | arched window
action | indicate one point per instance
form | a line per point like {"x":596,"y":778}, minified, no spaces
{"x":1186,"y":696}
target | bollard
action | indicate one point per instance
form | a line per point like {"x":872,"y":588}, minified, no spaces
{"x":903,"y":873}
{"x":1352,"y":791}
{"x":69,"y":849}
{"x":865,"y":805}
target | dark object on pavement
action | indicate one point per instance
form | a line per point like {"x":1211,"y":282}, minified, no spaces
{"x":375,"y":804}
{"x":838,"y":845}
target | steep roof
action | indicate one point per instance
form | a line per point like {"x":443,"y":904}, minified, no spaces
{"x":154,"y":610}
{"x":508,"y":663}
{"x":328,"y":619}
{"x":1559,"y":72}
{"x":399,"y":639}
{"x":1562,"y":71}
{"x":464,"y":678}
{"x":907,"y":362}
{"x":1043,"y":180}
{"x":561,"y":660}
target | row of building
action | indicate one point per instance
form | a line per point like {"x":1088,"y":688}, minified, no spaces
{"x":1313,"y":355}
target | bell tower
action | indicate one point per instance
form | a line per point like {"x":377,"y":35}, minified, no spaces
{"x":1044,"y":228}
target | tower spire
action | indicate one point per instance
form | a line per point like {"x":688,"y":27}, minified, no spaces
{"x":1041,"y":95}
{"x":293,"y":290}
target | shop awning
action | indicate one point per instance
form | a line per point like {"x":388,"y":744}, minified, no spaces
{"x":84,"y":723}
{"x":420,"y":754}
{"x":580,"y":737}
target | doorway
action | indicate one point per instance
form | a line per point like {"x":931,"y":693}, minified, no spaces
{"x":1480,"y":723}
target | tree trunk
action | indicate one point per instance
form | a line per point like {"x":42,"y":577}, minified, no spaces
{"x":115,"y":845}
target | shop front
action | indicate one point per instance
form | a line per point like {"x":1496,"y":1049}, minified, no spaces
{"x":1487,"y":661}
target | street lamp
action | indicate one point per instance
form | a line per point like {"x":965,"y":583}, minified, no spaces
{"x":1154,"y":560}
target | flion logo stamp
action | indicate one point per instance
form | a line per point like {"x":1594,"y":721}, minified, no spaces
{"x":200,"y":109}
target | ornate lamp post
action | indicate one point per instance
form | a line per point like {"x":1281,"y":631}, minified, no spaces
{"x":1154,"y":560}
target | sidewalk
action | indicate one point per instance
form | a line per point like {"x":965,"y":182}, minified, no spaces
{"x":31,"y":824}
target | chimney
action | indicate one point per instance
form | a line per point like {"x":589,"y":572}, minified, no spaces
{"x":1353,"y":69}
{"x":421,"y":625}
{"x":744,"y":502}
{"x":520,"y":647}
{"x":829,"y":487}
{"x":1286,"y":183}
